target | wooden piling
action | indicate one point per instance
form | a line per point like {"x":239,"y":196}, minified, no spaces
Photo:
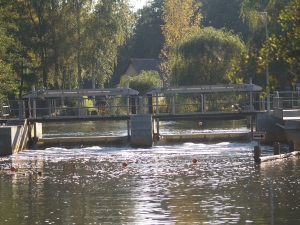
{"x":276,"y":147}
{"x":257,"y":154}
{"x":291,"y":146}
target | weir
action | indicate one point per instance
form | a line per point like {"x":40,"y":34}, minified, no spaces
{"x":142,"y":114}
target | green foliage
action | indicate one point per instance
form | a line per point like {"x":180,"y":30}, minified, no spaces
{"x":283,"y":48}
{"x":146,"y":40}
{"x":224,"y":14}
{"x":181,"y":19}
{"x":8,"y":82}
{"x":62,"y":42}
{"x":206,"y":57}
{"x":143,"y":82}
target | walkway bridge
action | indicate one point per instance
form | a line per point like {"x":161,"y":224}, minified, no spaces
{"x":205,"y":102}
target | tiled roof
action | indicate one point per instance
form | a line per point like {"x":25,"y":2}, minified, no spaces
{"x":144,"y":64}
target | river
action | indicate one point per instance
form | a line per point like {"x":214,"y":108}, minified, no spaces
{"x":159,"y":185}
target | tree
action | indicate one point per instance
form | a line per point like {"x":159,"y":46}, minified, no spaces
{"x":143,"y":82}
{"x":181,"y":17}
{"x":206,"y":58}
{"x":284,"y":48}
{"x":146,"y":40}
{"x":108,"y":27}
{"x":8,"y":83}
{"x":224,"y":14}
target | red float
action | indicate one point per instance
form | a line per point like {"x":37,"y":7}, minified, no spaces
{"x":125,"y":164}
{"x":93,"y":128}
{"x":195,"y":160}
{"x":12,"y":169}
{"x":200,"y":123}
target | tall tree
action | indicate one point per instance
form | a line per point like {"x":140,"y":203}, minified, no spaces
{"x":7,"y":43}
{"x":180,"y":18}
{"x":146,"y":39}
{"x":224,"y":14}
{"x":284,"y":48}
{"x":108,"y":27}
{"x":206,"y":57}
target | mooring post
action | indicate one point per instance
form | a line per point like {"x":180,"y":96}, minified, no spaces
{"x":257,"y":154}
{"x":291,"y":146}
{"x":276,"y":147}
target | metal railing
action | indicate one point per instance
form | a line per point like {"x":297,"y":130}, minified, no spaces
{"x":290,"y":99}
{"x":127,"y":105}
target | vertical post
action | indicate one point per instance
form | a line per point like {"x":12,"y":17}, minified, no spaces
{"x":157,"y":109}
{"x":27,"y":108}
{"x":276,"y":147}
{"x":20,"y":102}
{"x":157,"y":127}
{"x":257,"y":153}
{"x":110,"y":106}
{"x":49,"y":107}
{"x":127,"y":104}
{"x":79,"y":107}
{"x":128,"y":130}
{"x":33,"y":103}
{"x":291,"y":146}
{"x":251,"y":100}
{"x":202,"y":103}
{"x":265,"y":14}
{"x":133,"y":105}
{"x":173,"y":104}
{"x":150,"y":104}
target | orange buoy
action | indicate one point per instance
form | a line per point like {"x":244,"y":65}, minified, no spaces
{"x":200,"y":123}
{"x":93,"y":128}
{"x":125,"y":164}
{"x":195,"y":160}
{"x":12,"y":169}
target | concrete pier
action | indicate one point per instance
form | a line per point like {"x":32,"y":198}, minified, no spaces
{"x":14,"y":137}
{"x":266,"y":123}
{"x":141,"y":130}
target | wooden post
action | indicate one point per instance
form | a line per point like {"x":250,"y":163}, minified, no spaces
{"x":276,"y":147}
{"x":257,"y":154}
{"x":291,"y":146}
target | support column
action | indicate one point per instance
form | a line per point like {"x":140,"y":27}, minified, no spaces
{"x":141,"y":130}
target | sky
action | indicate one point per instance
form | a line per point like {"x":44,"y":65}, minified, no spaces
{"x":138,"y":3}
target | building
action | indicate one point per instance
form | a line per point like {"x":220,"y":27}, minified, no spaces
{"x":136,"y":65}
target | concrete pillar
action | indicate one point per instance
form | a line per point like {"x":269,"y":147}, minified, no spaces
{"x":14,"y":138}
{"x":257,"y":154}
{"x":276,"y":147}
{"x":141,"y":130}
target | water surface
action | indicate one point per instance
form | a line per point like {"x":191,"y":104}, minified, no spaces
{"x":160,"y":185}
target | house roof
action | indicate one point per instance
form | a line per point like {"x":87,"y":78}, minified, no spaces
{"x":144,"y":64}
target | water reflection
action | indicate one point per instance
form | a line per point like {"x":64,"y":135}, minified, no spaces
{"x":119,"y":128}
{"x":160,"y":185}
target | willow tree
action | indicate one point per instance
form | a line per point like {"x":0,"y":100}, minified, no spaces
{"x":207,"y":57}
{"x":180,"y":18}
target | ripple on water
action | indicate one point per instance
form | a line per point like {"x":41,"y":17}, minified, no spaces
{"x":160,"y":185}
